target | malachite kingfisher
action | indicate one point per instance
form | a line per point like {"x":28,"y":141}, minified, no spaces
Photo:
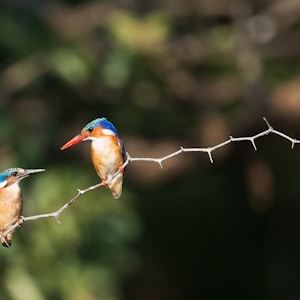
{"x":107,"y":151}
{"x":11,"y":200}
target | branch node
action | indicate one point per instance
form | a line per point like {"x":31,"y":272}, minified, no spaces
{"x":128,"y":157}
{"x":268,"y":124}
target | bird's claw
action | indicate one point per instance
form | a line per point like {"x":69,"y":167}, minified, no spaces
{"x":104,"y":182}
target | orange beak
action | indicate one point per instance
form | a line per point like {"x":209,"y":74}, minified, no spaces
{"x":75,"y":140}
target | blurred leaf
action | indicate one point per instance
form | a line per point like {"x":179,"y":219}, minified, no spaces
{"x":70,"y":65}
{"x":140,"y":35}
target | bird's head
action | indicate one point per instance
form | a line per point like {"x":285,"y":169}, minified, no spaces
{"x":14,"y":175}
{"x":91,"y":131}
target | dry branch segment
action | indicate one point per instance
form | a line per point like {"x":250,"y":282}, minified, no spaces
{"x":159,"y":161}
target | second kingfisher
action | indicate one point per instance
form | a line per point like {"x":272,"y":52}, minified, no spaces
{"x":107,"y":151}
{"x":11,"y":201}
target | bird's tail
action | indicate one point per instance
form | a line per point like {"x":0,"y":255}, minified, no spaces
{"x":6,"y":241}
{"x":116,"y":186}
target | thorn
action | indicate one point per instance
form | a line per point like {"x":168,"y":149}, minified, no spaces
{"x":160,"y":164}
{"x":253,"y":144}
{"x":268,"y":124}
{"x":56,"y":218}
{"x":210,"y":156}
{"x":293,"y":144}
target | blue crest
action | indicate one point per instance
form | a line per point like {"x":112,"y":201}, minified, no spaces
{"x":103,"y":122}
{"x":6,"y":173}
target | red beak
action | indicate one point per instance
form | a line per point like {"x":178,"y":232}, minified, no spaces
{"x":75,"y":140}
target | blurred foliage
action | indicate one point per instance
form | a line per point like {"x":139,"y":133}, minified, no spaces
{"x":168,"y":74}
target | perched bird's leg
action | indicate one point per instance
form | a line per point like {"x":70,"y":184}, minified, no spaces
{"x":20,"y":221}
{"x":121,"y":169}
{"x":104,"y":182}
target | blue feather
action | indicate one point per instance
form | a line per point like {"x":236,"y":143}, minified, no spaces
{"x":6,"y":173}
{"x":123,"y":150}
{"x":103,"y":122}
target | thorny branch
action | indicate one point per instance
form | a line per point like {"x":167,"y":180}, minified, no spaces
{"x":159,"y":161}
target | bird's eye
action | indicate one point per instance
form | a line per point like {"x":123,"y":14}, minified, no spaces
{"x":90,"y":129}
{"x":15,"y":173}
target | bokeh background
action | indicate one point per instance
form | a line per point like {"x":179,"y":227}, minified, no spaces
{"x":168,"y":74}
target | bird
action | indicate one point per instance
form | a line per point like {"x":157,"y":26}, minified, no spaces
{"x":11,"y":201}
{"x":107,"y":152}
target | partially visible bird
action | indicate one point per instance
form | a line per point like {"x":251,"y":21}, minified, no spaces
{"x":107,"y":151}
{"x":11,"y":200}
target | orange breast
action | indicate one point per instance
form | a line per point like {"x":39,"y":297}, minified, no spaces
{"x":10,"y":206}
{"x":106,"y":155}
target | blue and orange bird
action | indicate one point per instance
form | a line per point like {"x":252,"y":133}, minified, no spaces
{"x":107,"y":151}
{"x":11,"y":200}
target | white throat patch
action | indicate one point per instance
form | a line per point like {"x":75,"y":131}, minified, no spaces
{"x":3,"y":184}
{"x":108,"y":132}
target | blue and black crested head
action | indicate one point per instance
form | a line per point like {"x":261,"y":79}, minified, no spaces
{"x":106,"y":125}
{"x":7,"y":173}
{"x":93,"y":130}
{"x":13,"y":175}
{"x":103,"y":122}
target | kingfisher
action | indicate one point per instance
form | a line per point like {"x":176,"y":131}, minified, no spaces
{"x":11,"y":200}
{"x":107,"y":152}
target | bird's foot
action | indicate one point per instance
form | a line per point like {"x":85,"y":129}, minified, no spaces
{"x":20,"y":221}
{"x":104,"y":182}
{"x":121,"y":169}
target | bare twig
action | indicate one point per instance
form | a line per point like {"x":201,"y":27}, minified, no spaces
{"x":56,"y":213}
{"x":209,"y":150}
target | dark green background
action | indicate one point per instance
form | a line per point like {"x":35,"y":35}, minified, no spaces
{"x":168,"y":74}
